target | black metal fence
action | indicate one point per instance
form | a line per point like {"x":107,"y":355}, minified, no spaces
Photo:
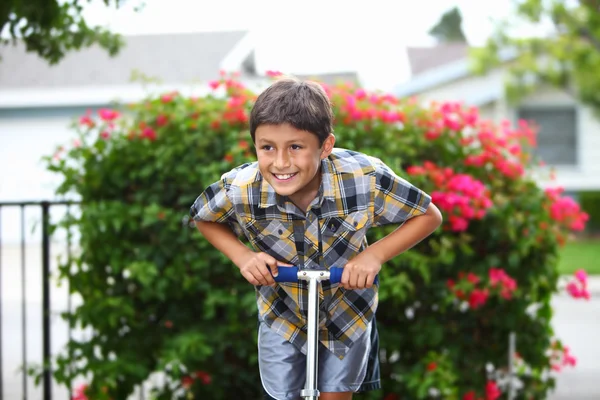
{"x":43,"y":207}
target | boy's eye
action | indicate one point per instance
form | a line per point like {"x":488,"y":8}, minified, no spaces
{"x":267,"y":147}
{"x":296,"y":147}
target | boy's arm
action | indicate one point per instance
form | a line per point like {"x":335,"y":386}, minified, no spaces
{"x":253,"y":266}
{"x":360,"y":272}
{"x":407,"y":235}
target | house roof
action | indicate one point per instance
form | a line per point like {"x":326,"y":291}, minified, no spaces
{"x":437,"y":70}
{"x":169,"y":57}
{"x":422,"y":59}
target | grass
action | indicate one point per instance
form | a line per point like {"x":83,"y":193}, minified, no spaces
{"x":580,"y":254}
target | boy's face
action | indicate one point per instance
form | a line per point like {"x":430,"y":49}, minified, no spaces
{"x":289,"y":159}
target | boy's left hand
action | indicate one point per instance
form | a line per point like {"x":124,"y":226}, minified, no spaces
{"x":360,"y":272}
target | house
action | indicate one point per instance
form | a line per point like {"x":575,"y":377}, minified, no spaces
{"x":569,"y":133}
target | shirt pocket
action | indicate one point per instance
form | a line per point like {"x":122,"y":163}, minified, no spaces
{"x":344,"y":234}
{"x":272,"y":236}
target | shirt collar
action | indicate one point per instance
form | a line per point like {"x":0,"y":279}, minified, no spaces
{"x":327,"y":190}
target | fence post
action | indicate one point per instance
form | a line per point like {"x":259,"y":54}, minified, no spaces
{"x":512,"y":345}
{"x":46,"y":300}
{"x":1,"y":359}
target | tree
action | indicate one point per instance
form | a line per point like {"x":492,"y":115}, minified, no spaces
{"x":449,"y":28}
{"x":51,"y":28}
{"x":567,"y":56}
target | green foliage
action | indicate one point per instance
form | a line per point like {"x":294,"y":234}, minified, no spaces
{"x":565,"y":57}
{"x":51,"y":28}
{"x":590,"y":202}
{"x":159,"y":298}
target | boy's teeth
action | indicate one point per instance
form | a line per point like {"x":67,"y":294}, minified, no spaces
{"x":287,"y":176}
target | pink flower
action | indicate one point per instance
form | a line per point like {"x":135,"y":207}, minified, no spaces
{"x":458,"y":224}
{"x":86,"y":120}
{"x":79,"y":393}
{"x":105,"y":135}
{"x":581,"y":276}
{"x":108,"y":115}
{"x":214,"y":84}
{"x":578,"y":288}
{"x":273,"y":74}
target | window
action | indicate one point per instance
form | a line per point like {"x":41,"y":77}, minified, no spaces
{"x":557,"y":134}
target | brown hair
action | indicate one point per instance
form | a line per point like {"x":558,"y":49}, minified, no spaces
{"x":302,"y":104}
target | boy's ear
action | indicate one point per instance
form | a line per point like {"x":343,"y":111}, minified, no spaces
{"x":328,"y":145}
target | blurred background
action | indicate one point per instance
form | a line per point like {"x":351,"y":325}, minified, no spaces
{"x":436,"y":50}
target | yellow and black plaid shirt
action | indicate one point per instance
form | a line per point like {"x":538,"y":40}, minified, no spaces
{"x":357,"y":192}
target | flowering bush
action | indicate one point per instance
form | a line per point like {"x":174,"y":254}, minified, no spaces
{"x":160,"y":299}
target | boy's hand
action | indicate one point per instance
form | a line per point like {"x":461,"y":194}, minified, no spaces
{"x":255,"y":270}
{"x":360,"y":272}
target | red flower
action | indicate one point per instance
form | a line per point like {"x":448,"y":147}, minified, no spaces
{"x":187,"y":382}
{"x":492,"y":392}
{"x":149,"y":134}
{"x":469,"y":395}
{"x":204,"y":377}
{"x":478,"y":298}
{"x":432,"y":366}
{"x":162,"y":120}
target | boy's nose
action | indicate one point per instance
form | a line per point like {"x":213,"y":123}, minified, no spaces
{"x":282,"y":161}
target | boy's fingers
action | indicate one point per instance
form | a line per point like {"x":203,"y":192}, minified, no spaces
{"x":250,"y":277}
{"x":265,"y":275}
{"x":354,"y":281}
{"x":370,"y":280}
{"x":272,"y":264}
{"x":345,"y":278}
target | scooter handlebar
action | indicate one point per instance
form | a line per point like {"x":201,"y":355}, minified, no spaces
{"x":290,"y":274}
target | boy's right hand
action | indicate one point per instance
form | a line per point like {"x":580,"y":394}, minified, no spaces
{"x":255,"y":270}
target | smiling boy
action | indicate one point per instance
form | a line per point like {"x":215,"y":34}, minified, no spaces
{"x":309,"y":204}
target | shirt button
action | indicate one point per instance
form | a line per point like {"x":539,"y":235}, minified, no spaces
{"x":355,"y":224}
{"x":280,"y":232}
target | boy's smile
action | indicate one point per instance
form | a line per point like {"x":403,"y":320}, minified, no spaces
{"x":289,"y":159}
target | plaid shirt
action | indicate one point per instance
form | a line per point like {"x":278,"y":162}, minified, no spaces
{"x":356,"y":193}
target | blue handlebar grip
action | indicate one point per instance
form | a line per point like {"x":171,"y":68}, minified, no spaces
{"x":287,"y":274}
{"x":335,"y":274}
{"x":290,"y":275}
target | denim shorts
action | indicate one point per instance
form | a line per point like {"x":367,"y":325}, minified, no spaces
{"x":283,"y":366}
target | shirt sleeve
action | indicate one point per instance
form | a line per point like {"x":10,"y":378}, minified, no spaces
{"x":396,"y":200}
{"x":213,"y":205}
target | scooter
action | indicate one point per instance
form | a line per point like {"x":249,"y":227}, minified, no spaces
{"x":314,"y":278}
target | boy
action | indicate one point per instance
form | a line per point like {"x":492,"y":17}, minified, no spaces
{"x":308,"y":204}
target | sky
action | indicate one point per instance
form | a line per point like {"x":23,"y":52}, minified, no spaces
{"x":311,"y":36}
